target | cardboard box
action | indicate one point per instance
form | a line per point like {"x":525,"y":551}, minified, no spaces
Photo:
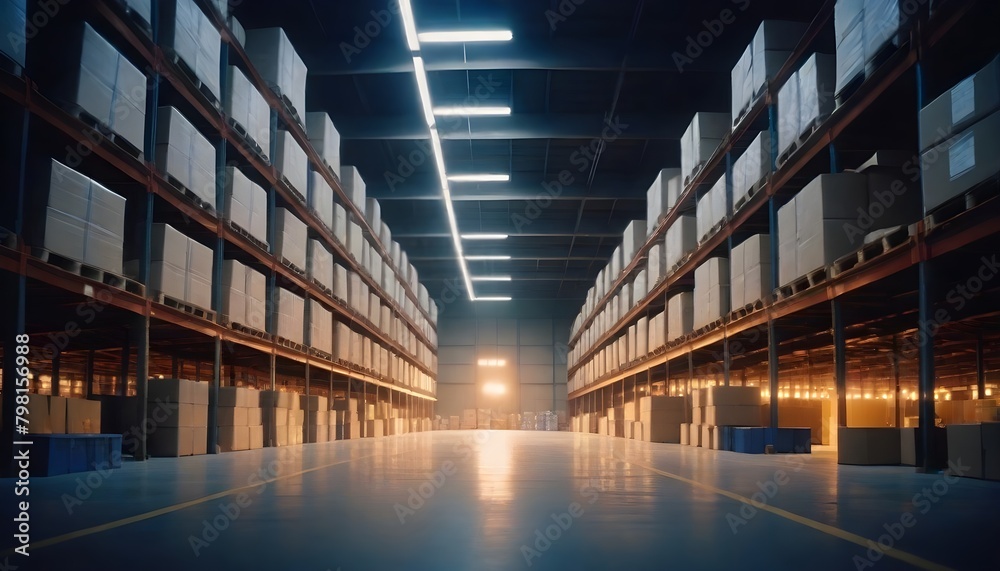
{"x":233,"y":415}
{"x":695,"y":435}
{"x":969,"y":101}
{"x":188,"y":32}
{"x":232,"y":438}
{"x":740,"y":415}
{"x":184,"y":154}
{"x":354,"y":186}
{"x":272,"y":54}
{"x":804,"y":99}
{"x":685,"y":430}
{"x":723,"y":396}
{"x":702,"y":137}
{"x":753,"y":166}
{"x":248,"y":108}
{"x":681,"y":239}
{"x":707,"y":433}
{"x":713,"y":207}
{"x":868,"y":446}
{"x":256,"y":436}
{"x":961,"y":162}
{"x":711,"y":292}
{"x":171,"y":441}
{"x":662,"y":197}
{"x":324,"y":138}
{"x":289,"y":316}
{"x":246,"y":204}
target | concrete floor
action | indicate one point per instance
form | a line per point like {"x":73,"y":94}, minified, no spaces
{"x":490,"y":498}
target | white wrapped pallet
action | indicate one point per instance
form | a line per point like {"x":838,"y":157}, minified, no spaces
{"x":239,"y":32}
{"x":246,"y":204}
{"x":291,"y":162}
{"x":750,"y":270}
{"x":703,"y":136}
{"x":680,"y":315}
{"x":711,"y":291}
{"x":640,"y":286}
{"x":883,"y":21}
{"x":657,"y":263}
{"x":806,"y":99}
{"x":752,"y":166}
{"x":341,"y":341}
{"x":772,"y":45}
{"x":712,"y":208}
{"x":967,"y":102}
{"x":320,"y":198}
{"x":823,"y":209}
{"x":184,"y":154}
{"x":79,"y":219}
{"x":848,"y":22}
{"x":13,"y":25}
{"x":320,"y":327}
{"x":248,"y":109}
{"x":355,"y":241}
{"x":741,"y":79}
{"x":290,"y":235}
{"x":324,"y":138}
{"x":319,"y":263}
{"x":632,"y":240}
{"x":681,"y":239}
{"x":662,"y":197}
{"x":272,"y":54}
{"x":788,"y":255}
{"x":373,"y":214}
{"x":289,"y":311}
{"x":189,"y":34}
{"x":181,"y":268}
{"x":353,"y":185}
{"x":234,"y":295}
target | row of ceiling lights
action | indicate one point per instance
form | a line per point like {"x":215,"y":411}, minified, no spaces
{"x":413,"y":40}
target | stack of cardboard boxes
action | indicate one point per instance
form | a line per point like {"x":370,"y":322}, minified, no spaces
{"x":272,"y":54}
{"x":240,"y":419}
{"x":184,"y":154}
{"x":62,"y":415}
{"x":346,"y":426}
{"x":717,"y":407}
{"x":183,"y":407}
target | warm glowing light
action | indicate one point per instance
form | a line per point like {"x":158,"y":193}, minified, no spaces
{"x":868,"y":395}
{"x":492,"y":363}
{"x":494,"y":389}
{"x":989,"y":392}
{"x":947,"y":396}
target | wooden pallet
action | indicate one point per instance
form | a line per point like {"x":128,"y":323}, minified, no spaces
{"x":845,"y":263}
{"x":746,"y":310}
{"x":892,"y":240}
{"x":321,"y":354}
{"x":289,"y":344}
{"x":850,"y":88}
{"x":968,"y":200}
{"x":713,"y":231}
{"x":248,"y":142}
{"x":90,"y":272}
{"x":179,"y":305}
{"x":192,"y":78}
{"x":188,"y":194}
{"x":818,"y":276}
{"x":754,"y":189}
{"x":101,"y":128}
{"x":291,"y":189}
{"x":285,"y":262}
{"x":286,"y":103}
{"x":797,"y":286}
{"x":799,"y":142}
{"x":246,"y":235}
{"x":694,"y":173}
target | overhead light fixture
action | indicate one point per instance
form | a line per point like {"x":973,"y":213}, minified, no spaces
{"x":424,"y":89}
{"x":466,"y":36}
{"x":479,"y":178}
{"x":470,"y":110}
{"x":493,"y":298}
{"x":492,"y":363}
{"x":484,"y":236}
{"x":486,"y":258}
{"x":409,"y":25}
{"x":491,"y":278}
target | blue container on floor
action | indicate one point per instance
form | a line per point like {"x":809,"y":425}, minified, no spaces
{"x":55,"y":454}
{"x":747,"y":440}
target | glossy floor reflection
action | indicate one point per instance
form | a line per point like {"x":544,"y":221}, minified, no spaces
{"x":483,"y":500}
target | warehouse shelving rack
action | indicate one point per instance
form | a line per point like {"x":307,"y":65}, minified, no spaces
{"x":817,"y":316}
{"x":26,"y":104}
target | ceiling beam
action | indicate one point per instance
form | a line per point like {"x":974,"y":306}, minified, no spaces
{"x":667,"y":126}
{"x":524,"y":54}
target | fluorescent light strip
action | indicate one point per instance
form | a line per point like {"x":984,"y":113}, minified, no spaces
{"x":494,"y":298}
{"x":491,"y":278}
{"x":484,"y":236}
{"x":479,"y":178}
{"x":469,"y":111}
{"x":486,"y":258}
{"x":424,"y":89}
{"x":409,"y":25}
{"x":466,"y":36}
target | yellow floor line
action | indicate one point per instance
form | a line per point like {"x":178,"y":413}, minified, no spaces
{"x":183,"y":505}
{"x":827,"y":529}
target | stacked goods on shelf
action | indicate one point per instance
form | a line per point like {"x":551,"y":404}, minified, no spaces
{"x":62,"y":415}
{"x":339,"y":227}
{"x":248,"y":110}
{"x":320,"y":198}
{"x":183,"y":405}
{"x":354,"y":188}
{"x":680,"y":315}
{"x":77,"y":218}
{"x":750,"y":271}
{"x":290,"y":236}
{"x":803,"y":101}
{"x":703,"y":136}
{"x":712,"y":209}
{"x":864,"y":28}
{"x":771,"y":47}
{"x":752,"y":167}
{"x":633,"y":239}
{"x":318,"y":428}
{"x":292,"y":162}
{"x":656,"y":264}
{"x":244,"y":291}
{"x":319,"y":264}
{"x":184,"y":155}
{"x":320,"y":327}
{"x":346,"y":426}
{"x":187,"y":33}
{"x":13,"y":25}
{"x":661,"y":197}
{"x":373,"y":214}
{"x":325,"y":139}
{"x":289,"y":316}
{"x":681,"y":240}
{"x":814,"y":227}
{"x":84,"y":72}
{"x":180,"y":267}
{"x":661,"y":418}
{"x":711,"y":291}
{"x":240,"y":419}
{"x":657,"y":331}
{"x":275,"y":59}
{"x":356,"y":242}
{"x":959,"y":137}
{"x":246,"y":204}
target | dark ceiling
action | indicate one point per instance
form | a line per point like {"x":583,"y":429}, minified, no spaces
{"x":565,"y":76}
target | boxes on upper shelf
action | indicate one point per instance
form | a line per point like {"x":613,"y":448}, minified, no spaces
{"x":969,"y":101}
{"x":324,"y":138}
{"x":752,"y":167}
{"x":180,"y":268}
{"x":804,"y":101}
{"x":291,"y":162}
{"x":247,"y":108}
{"x":355,"y":241}
{"x":760,"y":62}
{"x":320,"y":264}
{"x":184,"y":154}
{"x":78,"y":218}
{"x":13,"y":25}
{"x":711,"y":291}
{"x":657,"y":263}
{"x":353,"y":185}
{"x":703,"y":136}
{"x":320,"y":198}
{"x":712,"y":209}
{"x":680,"y":315}
{"x":190,"y":35}
{"x":662,"y":196}
{"x":632,"y":239}
{"x":246,"y":204}
{"x":962,"y":162}
{"x":320,"y":327}
{"x":289,"y":312}
{"x":681,"y":239}
{"x":750,"y":269}
{"x":290,"y":236}
{"x":244,"y":291}
{"x":373,"y":214}
{"x":272,"y":54}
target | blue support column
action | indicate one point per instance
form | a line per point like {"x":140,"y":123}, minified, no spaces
{"x":926,"y":452}
{"x":839,"y":361}
{"x":773,"y":363}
